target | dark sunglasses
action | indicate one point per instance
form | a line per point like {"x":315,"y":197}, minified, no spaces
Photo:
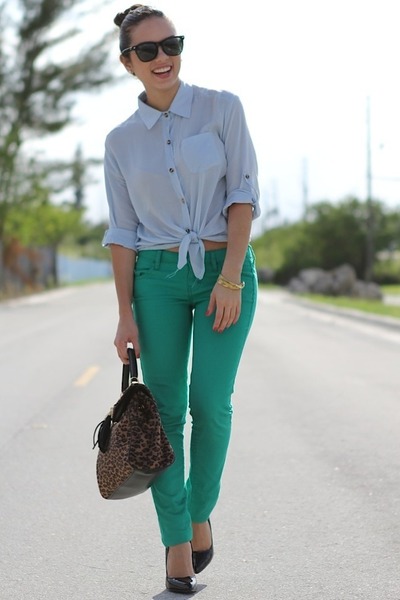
{"x":146,"y":51}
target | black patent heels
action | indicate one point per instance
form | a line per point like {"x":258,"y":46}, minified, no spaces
{"x":179,"y":585}
{"x":202,"y":558}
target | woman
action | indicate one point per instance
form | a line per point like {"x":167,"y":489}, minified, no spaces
{"x":181,"y":182}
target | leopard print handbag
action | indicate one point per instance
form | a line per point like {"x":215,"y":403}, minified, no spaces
{"x":133,"y":446}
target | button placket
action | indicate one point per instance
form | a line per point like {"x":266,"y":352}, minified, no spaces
{"x":170,"y":163}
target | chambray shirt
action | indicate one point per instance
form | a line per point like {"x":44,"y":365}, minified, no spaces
{"x":171,"y":176}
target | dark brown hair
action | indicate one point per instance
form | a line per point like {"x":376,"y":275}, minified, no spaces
{"x":131,"y":17}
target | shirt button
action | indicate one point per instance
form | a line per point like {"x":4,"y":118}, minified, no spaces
{"x":166,"y":114}
{"x":168,"y":141}
{"x":171,"y":170}
{"x":183,"y":200}
{"x":187,"y":230}
{"x":247,"y":176}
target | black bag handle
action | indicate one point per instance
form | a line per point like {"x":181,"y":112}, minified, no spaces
{"x":130,"y":371}
{"x":103,"y":429}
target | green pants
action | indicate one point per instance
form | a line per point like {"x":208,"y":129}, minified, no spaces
{"x":187,"y":365}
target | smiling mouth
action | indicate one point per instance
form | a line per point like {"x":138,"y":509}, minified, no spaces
{"x":162,"y":71}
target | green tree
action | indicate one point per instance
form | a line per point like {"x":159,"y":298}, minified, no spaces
{"x":35,"y":221}
{"x":333,"y":234}
{"x":337,"y":232}
{"x":330,"y":235}
{"x":78,"y":177}
{"x":37,"y":92}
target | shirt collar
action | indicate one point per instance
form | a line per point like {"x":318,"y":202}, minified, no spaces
{"x":181,"y":106}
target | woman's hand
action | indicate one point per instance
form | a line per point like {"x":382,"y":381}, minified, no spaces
{"x":226,"y":302}
{"x":227,"y":305}
{"x":127,"y":332}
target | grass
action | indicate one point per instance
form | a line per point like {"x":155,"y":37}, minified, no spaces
{"x":391,"y":290}
{"x":369,"y":306}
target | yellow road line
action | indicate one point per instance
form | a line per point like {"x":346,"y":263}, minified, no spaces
{"x":86,"y":376}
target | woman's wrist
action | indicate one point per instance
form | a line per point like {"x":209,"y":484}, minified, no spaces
{"x":126,"y":313}
{"x":230,"y":285}
{"x":233,"y":275}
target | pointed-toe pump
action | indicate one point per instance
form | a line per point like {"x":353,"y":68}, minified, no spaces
{"x":179,"y":585}
{"x":202,"y":558}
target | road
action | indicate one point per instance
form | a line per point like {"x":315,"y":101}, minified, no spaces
{"x":310,"y":504}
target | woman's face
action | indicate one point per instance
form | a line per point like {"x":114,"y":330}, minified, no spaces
{"x":162,"y":73}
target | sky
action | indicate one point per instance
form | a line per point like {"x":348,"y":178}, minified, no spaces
{"x":305,"y":71}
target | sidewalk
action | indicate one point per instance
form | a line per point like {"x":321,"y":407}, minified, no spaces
{"x":392,"y":300}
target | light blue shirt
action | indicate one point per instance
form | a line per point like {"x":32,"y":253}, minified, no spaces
{"x":171,"y":176}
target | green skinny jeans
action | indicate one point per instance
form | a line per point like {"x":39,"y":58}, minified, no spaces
{"x":189,"y":367}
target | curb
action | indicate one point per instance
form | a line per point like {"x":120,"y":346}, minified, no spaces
{"x":348,"y":313}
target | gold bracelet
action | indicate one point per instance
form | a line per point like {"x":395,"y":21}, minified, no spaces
{"x":229,"y":284}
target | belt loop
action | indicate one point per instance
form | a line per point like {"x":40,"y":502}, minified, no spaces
{"x":157,"y":259}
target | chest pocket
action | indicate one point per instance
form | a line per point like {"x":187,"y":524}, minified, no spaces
{"x":203,"y":151}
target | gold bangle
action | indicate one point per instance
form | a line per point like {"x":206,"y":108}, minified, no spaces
{"x":229,"y":284}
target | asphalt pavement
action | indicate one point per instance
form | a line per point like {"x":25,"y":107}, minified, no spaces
{"x":310,"y":502}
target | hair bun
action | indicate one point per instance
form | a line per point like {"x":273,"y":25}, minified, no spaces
{"x":119,"y":18}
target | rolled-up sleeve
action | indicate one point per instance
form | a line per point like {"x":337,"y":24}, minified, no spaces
{"x":242,"y":169}
{"x":123,"y":220}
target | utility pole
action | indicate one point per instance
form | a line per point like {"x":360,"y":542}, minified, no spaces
{"x":370,"y":233}
{"x":305,"y":185}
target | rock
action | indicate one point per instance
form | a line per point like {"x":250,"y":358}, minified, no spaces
{"x":369,"y":291}
{"x":265,"y":275}
{"x":296,"y":286}
{"x":310,"y":277}
{"x":341,"y":281}
{"x":324,"y":285}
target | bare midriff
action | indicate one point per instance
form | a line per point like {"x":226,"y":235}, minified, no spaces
{"x":208,"y":245}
